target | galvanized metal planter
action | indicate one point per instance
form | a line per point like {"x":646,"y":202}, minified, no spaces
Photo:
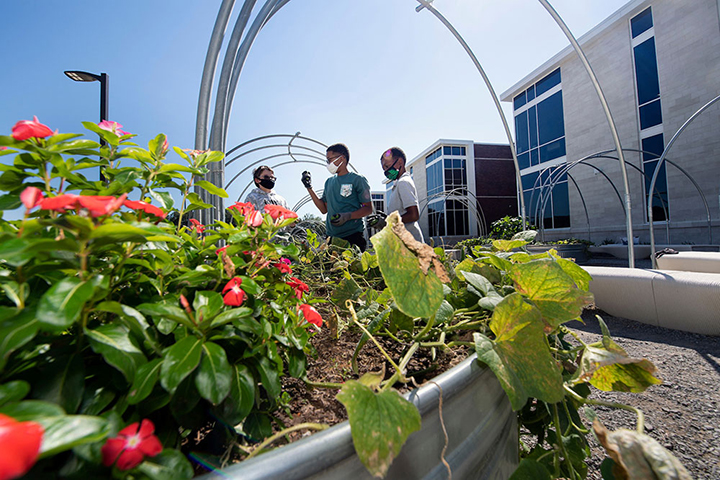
{"x":481,"y":426}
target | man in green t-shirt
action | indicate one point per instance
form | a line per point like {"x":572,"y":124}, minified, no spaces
{"x":345,"y":199}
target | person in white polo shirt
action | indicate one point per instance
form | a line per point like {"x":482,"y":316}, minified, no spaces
{"x":403,"y":194}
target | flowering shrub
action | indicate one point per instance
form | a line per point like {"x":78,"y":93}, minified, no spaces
{"x":122,"y":332}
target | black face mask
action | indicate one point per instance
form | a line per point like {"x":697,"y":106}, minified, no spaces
{"x":267,"y":183}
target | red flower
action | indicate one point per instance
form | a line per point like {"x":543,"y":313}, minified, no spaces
{"x":311,"y":315}
{"x":25,"y":129}
{"x":101,"y":205}
{"x":197,"y":226}
{"x":113,"y":127}
{"x":220,"y":250}
{"x":254,"y":219}
{"x":284,"y":268}
{"x":3,"y":148}
{"x":234,"y":296}
{"x":19,"y":446}
{"x":299,"y":286}
{"x":66,"y":201}
{"x":131,"y":446}
{"x":243,"y":208}
{"x":279,"y":213}
{"x":145,"y":207}
{"x":31,"y":196}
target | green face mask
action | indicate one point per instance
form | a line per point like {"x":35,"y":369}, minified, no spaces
{"x":392,"y":172}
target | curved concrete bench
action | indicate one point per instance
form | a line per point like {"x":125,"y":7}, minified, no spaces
{"x":708,"y":262}
{"x":688,"y":301}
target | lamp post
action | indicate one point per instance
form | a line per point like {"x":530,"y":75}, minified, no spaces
{"x":104,"y":80}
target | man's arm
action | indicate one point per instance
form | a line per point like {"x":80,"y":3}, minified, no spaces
{"x":412,"y":214}
{"x":363,"y":211}
{"x":322,"y":206}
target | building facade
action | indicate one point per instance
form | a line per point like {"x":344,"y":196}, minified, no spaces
{"x":462,"y":187}
{"x":658,"y":62}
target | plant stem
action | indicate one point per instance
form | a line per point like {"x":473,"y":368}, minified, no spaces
{"x":282,"y":433}
{"x":640,"y":426}
{"x":426,"y":329}
{"x":322,"y":384}
{"x":559,"y":438}
{"x":349,"y":305}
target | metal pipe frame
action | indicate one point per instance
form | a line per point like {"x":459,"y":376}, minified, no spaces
{"x":274,"y":166}
{"x":657,"y":170}
{"x":582,"y":199}
{"x":456,"y":193}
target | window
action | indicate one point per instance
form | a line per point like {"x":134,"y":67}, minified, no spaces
{"x":652,"y":150}
{"x":650,"y":115}
{"x":436,"y":154}
{"x":436,"y":218}
{"x":646,"y":71}
{"x":521,"y":132}
{"x":434,"y":179}
{"x":550,"y":119}
{"x":519,"y":101}
{"x":455,"y":175}
{"x":641,"y":22}
{"x":446,"y":181}
{"x":552,"y":79}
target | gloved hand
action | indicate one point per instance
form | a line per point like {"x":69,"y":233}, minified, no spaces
{"x":306,"y":179}
{"x":376,"y":221}
{"x":340,"y":219}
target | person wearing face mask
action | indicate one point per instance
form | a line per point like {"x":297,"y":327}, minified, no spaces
{"x":263,"y":193}
{"x":345,"y":198}
{"x":402,"y":197}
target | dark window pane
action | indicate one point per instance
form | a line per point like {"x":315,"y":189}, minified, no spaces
{"x":519,"y":101}
{"x":446,"y":150}
{"x":653,"y":147}
{"x":552,"y":150}
{"x":561,"y":205}
{"x":456,"y":151}
{"x":547,"y":83}
{"x":448,"y":163}
{"x":462,"y":149}
{"x":650,"y":115}
{"x":641,"y":22}
{"x":646,"y":72}
{"x":457,"y":163}
{"x":521,"y":132}
{"x":523,"y":160}
{"x":534,"y":157}
{"x":551,"y":123}
{"x":531,"y":93}
{"x":532,"y":122}
{"x":528,"y":181}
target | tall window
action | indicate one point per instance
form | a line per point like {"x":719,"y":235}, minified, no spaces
{"x":649,"y":106}
{"x":540,"y":138}
{"x":378,"y":200}
{"x":447,"y":185}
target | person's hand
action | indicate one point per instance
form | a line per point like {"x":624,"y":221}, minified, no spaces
{"x":306,"y":179}
{"x":376,"y":221}
{"x":340,"y":219}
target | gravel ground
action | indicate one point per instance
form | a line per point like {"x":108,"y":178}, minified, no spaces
{"x":682,"y":413}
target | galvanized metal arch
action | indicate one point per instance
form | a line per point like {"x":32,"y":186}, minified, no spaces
{"x":269,"y":157}
{"x":657,"y":170}
{"x":465,"y":199}
{"x":582,"y":199}
{"x":275,"y":145}
{"x":276,"y":135}
{"x":274,"y":166}
{"x":306,"y":199}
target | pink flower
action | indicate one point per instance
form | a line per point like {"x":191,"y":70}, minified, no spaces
{"x":243,"y":208}
{"x":279,"y":213}
{"x":131,"y":446}
{"x":283,"y":267}
{"x":31,"y":197}
{"x":165,"y":147}
{"x":220,"y":250}
{"x":311,"y":315}
{"x":145,"y":207}
{"x":197,"y":226}
{"x":101,"y":205}
{"x":299,"y":286}
{"x":254,"y":219}
{"x":286,"y":261}
{"x":19,"y":446}
{"x":2,"y":147}
{"x":234,"y":296}
{"x":113,"y":127}
{"x":26,"y":129}
{"x":60,"y":203}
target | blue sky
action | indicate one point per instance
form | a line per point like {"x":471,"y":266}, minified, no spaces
{"x":371,"y":73}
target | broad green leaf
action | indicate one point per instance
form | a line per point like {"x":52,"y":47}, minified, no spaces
{"x":417,"y":293}
{"x":490,"y":297}
{"x":63,"y":383}
{"x":96,"y":401}
{"x":637,"y":455}
{"x":445,"y":313}
{"x":470,"y":265}
{"x":297,"y":361}
{"x":231,"y":315}
{"x":68,"y":431}
{"x":117,"y":233}
{"x":519,"y":355}
{"x":269,"y":376}
{"x":35,"y":410}
{"x":207,"y":304}
{"x":113,"y":342}
{"x":527,"y":235}
{"x":175,"y":167}
{"x":498,"y":262}
{"x":240,"y":401}
{"x":379,"y":423}
{"x":195,"y":202}
{"x":347,"y":289}
{"x":9,"y":202}
{"x":133,"y":319}
{"x":576,"y":272}
{"x":368,"y":261}
{"x":551,"y":289}
{"x":179,"y":361}
{"x":170,"y":464}
{"x":62,"y":304}
{"x":400,"y":321}
{"x":214,"y":376}
{"x":507,"y":245}
{"x":165,"y":200}
{"x":531,"y":470}
{"x":166,"y":312}
{"x":213,"y":189}
{"x":16,"y":251}
{"x":16,"y":332}
{"x":145,"y":379}
{"x":13,"y":391}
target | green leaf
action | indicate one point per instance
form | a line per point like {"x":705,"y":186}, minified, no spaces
{"x":214,"y":376}
{"x":491,"y":298}
{"x":250,"y":286}
{"x":145,"y":379}
{"x":195,"y":202}
{"x":519,"y":356}
{"x":379,"y":423}
{"x":527,"y":235}
{"x":35,"y":410}
{"x":213,"y":189}
{"x":168,"y":465}
{"x":240,"y":401}
{"x":507,"y":245}
{"x":62,"y":304}
{"x":347,"y":289}
{"x":470,"y":265}
{"x":207,"y":304}
{"x":13,"y":391}
{"x":63,"y":383}
{"x":179,"y":361}
{"x":297,"y":361}
{"x":531,"y":470}
{"x":235,"y":314}
{"x":269,"y":376}
{"x":576,"y":272}
{"x":368,"y":261}
{"x":16,"y":332}
{"x":165,"y":200}
{"x":400,"y":321}
{"x":113,"y":342}
{"x":552,"y":290}
{"x":117,"y":233}
{"x":9,"y":202}
{"x":417,"y":294}
{"x":66,"y":432}
{"x":166,"y":312}
{"x":96,"y":401}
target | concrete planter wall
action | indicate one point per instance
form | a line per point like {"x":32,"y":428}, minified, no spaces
{"x":578,"y":252}
{"x":482,"y":431}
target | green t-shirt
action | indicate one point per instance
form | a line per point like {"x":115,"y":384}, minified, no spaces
{"x":345,"y":193}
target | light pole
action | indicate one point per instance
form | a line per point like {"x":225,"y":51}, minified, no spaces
{"x":104,"y":80}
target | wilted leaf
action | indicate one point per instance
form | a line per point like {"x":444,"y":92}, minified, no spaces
{"x":519,"y":356}
{"x":379,"y":423}
{"x":348,"y":289}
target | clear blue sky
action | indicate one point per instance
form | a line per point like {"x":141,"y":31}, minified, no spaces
{"x":370,"y":73}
